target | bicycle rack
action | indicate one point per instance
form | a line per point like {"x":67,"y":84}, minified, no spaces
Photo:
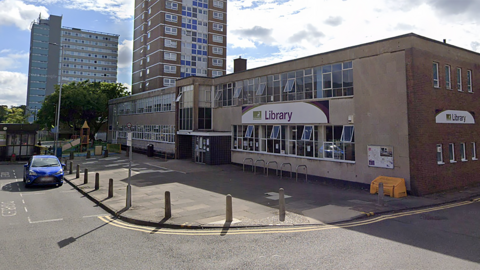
{"x":281,"y":169}
{"x":276,"y":169}
{"x":244,"y":163}
{"x":306,"y":172}
{"x":255,"y":167}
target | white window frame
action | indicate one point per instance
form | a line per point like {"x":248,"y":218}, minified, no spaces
{"x":448,"y":77}
{"x":463,"y":153}
{"x":171,"y":17}
{"x":459,"y":79}
{"x":249,"y":131}
{"x":217,"y":73}
{"x":170,"y":43}
{"x":436,"y":80}
{"x":171,"y":5}
{"x":440,"y":154}
{"x":218,"y":39}
{"x":474,"y":151}
{"x":275,"y":132}
{"x":451,"y":152}
{"x":217,"y":62}
{"x":168,"y":82}
{"x":261,"y":89}
{"x":469,"y":81}
{"x":168,"y":56}
{"x":169,"y":69}
{"x":218,"y":15}
{"x":217,"y":27}
{"x":217,"y":50}
{"x":218,"y":4}
{"x":171,"y":30}
{"x":289,"y":86}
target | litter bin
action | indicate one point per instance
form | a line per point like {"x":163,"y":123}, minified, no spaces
{"x":150,"y":150}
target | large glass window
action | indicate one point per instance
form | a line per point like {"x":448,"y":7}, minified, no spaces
{"x":447,"y":77}
{"x":439,"y":154}
{"x":469,"y":81}
{"x":463,"y":154}
{"x":451,"y":152}
{"x":459,"y":79}
{"x":436,"y":82}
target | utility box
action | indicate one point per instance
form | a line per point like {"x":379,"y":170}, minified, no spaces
{"x":98,"y":150}
{"x":150,"y":151}
{"x":392,"y":186}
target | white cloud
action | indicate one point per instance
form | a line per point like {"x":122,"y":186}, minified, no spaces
{"x":13,"y":86}
{"x":125,"y":53}
{"x":12,"y":60}
{"x":128,"y":86}
{"x":20,"y":14}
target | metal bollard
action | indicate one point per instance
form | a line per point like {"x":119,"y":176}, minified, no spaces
{"x":127,"y":152}
{"x":71,"y":168}
{"x":380,"y":194}
{"x":229,"y":212}
{"x":88,"y":154}
{"x":71,"y":156}
{"x":105,"y":153}
{"x":281,"y":207}
{"x":110,"y":188}
{"x":168,"y":205}
{"x":97,"y":181}
{"x":85,"y":177}
{"x":78,"y":171}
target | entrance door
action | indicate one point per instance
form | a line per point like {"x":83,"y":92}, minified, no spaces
{"x":200,"y":149}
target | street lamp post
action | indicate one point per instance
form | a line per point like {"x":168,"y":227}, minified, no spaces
{"x":57,"y":120}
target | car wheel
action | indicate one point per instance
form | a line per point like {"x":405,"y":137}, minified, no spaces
{"x":59,"y":185}
{"x":27,"y":186}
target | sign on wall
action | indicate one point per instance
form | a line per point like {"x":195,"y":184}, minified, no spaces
{"x":380,"y":156}
{"x":454,"y":117}
{"x":3,"y":138}
{"x":287,"y":113}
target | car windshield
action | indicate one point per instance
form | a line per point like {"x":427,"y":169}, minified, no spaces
{"x":45,"y":162}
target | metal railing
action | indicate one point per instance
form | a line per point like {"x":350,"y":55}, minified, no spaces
{"x":276,"y":168}
{"x":244,"y":163}
{"x":306,"y":172}
{"x":281,"y":169}
{"x":255,"y":167}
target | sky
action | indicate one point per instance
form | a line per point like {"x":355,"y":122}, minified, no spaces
{"x":262,"y":31}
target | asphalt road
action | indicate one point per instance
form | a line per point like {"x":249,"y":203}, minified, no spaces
{"x":56,"y":228}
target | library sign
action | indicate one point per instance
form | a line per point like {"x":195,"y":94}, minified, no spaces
{"x":454,"y":117}
{"x":287,"y":113}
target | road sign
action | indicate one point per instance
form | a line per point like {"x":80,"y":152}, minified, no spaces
{"x":129,"y":125}
{"x":129,"y":139}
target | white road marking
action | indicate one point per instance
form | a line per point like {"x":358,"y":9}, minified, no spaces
{"x":99,"y":215}
{"x":43,"y":221}
{"x":21,"y":195}
{"x":23,"y":201}
{"x":8,"y":209}
{"x":25,"y":209}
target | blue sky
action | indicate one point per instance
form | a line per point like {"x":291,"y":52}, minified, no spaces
{"x":262,"y":31}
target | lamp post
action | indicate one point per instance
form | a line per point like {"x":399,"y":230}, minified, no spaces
{"x":57,"y":120}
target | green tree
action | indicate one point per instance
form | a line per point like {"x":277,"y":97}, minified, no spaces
{"x":81,"y":101}
{"x":3,"y":113}
{"x":16,"y":115}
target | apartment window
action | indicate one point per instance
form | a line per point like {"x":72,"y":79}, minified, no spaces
{"x":218,"y":39}
{"x":170,"y":43}
{"x":459,"y":79}
{"x":217,"y":62}
{"x":218,"y":15}
{"x":148,"y":34}
{"x":149,"y":10}
{"x":171,"y":5}
{"x":170,"y":56}
{"x":168,"y":82}
{"x":148,"y":59}
{"x":448,"y":84}
{"x":436,"y":83}
{"x":169,"y":69}
{"x":217,"y":50}
{"x":469,"y":81}
{"x":216,"y":73}
{"x":474,"y":151}
{"x":171,"y":18}
{"x":439,"y":154}
{"x":170,"y":30}
{"x":289,"y":86}
{"x":141,"y":73}
{"x":451,"y":152}
{"x":248,"y":132}
{"x":218,"y":4}
{"x":218,"y":27}
{"x":148,"y":47}
{"x":463,"y":154}
{"x":148,"y":71}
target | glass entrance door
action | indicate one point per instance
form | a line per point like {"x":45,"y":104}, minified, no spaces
{"x":200,"y":149}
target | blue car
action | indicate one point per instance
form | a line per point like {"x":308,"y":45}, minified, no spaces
{"x":43,"y":170}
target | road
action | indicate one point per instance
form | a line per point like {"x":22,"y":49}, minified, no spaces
{"x":57,"y":228}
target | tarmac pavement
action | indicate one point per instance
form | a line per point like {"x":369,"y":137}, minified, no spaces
{"x":198,"y":194}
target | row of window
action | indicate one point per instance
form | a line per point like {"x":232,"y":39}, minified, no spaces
{"x":449,"y":80}
{"x":67,"y":33}
{"x":314,"y":141}
{"x":90,"y":42}
{"x":74,"y":79}
{"x":89,"y":48}
{"x":74,"y":72}
{"x":159,"y":133}
{"x":451,"y":152}
{"x":91,"y":55}
{"x":162,"y":103}
{"x":81,"y":60}
{"x":321,"y":82}
{"x":89,"y":67}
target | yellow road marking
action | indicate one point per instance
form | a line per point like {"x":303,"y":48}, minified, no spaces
{"x":272,"y":230}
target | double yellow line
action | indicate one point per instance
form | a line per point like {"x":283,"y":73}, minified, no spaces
{"x":273,"y":229}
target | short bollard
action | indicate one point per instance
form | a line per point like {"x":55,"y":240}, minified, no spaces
{"x":78,"y":171}
{"x":110,"y":188}
{"x":229,"y":212}
{"x":126,"y":152}
{"x":380,"y":194}
{"x":85,"y":177}
{"x":168,"y":205}
{"x":71,"y":168}
{"x":105,"y":153}
{"x":281,"y":207}
{"x":71,"y":156}
{"x":97,"y":181}
{"x":88,"y":154}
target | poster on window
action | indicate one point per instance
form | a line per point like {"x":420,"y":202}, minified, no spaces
{"x":380,"y":156}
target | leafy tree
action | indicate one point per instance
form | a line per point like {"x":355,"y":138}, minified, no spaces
{"x":3,"y":113}
{"x":81,"y":101}
{"x":16,"y":115}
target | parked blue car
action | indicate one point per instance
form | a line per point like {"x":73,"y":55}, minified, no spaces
{"x":43,"y":170}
